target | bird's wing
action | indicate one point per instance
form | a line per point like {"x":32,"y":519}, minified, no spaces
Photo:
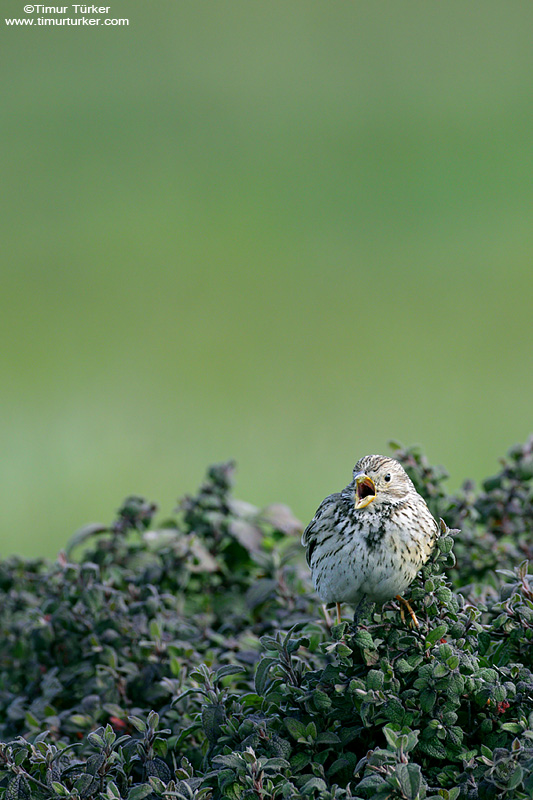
{"x":324,"y":511}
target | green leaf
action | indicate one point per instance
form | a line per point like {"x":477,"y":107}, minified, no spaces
{"x":228,"y":669}
{"x":312,"y":785}
{"x":436,"y":634}
{"x":412,"y":740}
{"x":516,"y":777}
{"x":391,"y":737}
{"x":155,"y":631}
{"x":327,"y":737}
{"x":343,"y":651}
{"x":153,"y":720}
{"x":59,"y":789}
{"x":455,"y":734}
{"x":310,"y":730}
{"x":456,"y":685}
{"x":299,"y":761}
{"x":156,"y":784}
{"x":139,"y":792}
{"x":138,"y":723}
{"x":444,"y":594}
{"x":261,"y":679}
{"x":410,"y":778}
{"x":375,"y":679}
{"x":511,"y":727}
{"x":84,"y":783}
{"x":32,"y":720}
{"x":427,"y":700}
{"x":394,"y":710}
{"x":403,"y":666}
{"x":20,"y":756}
{"x":81,"y":720}
{"x":213,"y":716}
{"x":445,"y":544}
{"x":364,"y":640}
{"x":276,"y":765}
{"x":83,"y":534}
{"x":338,"y":631}
{"x":95,"y":739}
{"x":371,"y":784}
{"x":94,"y":763}
{"x":321,"y":700}
{"x":295,"y":728}
{"x":231,"y":760}
{"x":433,"y":747}
{"x":157,"y":768}
{"x":109,"y":735}
{"x":346,"y":763}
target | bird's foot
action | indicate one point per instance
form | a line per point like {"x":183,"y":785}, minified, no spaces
{"x":405,"y":605}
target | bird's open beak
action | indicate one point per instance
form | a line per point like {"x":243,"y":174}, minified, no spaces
{"x":365,"y":490}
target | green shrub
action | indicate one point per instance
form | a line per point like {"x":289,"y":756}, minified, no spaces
{"x":191,"y":659}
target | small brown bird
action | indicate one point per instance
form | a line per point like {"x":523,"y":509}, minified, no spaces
{"x":370,"y":540}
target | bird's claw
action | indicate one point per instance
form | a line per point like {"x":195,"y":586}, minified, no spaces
{"x":404,"y":604}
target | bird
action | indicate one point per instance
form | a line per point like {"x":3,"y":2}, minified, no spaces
{"x":368,"y":542}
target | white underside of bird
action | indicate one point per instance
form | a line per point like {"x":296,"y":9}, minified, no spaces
{"x":379,"y":561}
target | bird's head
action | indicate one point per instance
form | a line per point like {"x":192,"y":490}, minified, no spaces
{"x":380,"y":480}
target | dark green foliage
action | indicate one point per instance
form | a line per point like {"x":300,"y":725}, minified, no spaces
{"x":192,"y":660}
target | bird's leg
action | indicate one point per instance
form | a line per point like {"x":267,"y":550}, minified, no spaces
{"x":327,"y":617}
{"x":402,"y":610}
{"x":338,"y":613}
{"x":404,"y":604}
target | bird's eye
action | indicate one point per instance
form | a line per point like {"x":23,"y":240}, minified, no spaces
{"x":387,"y":477}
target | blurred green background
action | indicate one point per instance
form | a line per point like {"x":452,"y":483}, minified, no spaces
{"x":283,"y":232}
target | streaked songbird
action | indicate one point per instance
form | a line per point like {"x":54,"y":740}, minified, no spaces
{"x":369,"y":541}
